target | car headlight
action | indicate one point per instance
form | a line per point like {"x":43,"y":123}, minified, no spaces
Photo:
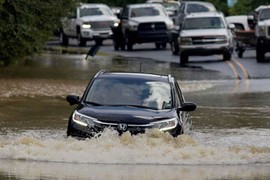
{"x":170,"y":26}
{"x":261,"y":30}
{"x":133,"y":26}
{"x":165,"y":124}
{"x":86,"y":26}
{"x":82,"y":119}
{"x":222,"y":39}
{"x":116,"y":24}
{"x":185,"y":41}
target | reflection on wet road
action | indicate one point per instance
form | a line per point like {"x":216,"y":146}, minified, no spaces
{"x":230,"y":136}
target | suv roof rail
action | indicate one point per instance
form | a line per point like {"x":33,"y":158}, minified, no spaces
{"x":170,"y":78}
{"x":103,"y":71}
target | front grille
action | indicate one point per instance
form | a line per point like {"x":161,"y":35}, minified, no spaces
{"x":152,"y":27}
{"x":101,"y":25}
{"x":205,"y":40}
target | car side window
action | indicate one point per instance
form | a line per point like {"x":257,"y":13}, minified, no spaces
{"x":196,"y":8}
{"x":125,"y":13}
{"x":178,"y":96}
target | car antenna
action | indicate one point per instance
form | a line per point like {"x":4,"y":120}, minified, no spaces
{"x":93,"y":50}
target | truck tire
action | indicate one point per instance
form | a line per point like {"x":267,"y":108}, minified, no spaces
{"x":99,"y":42}
{"x":81,"y":40}
{"x":174,"y":47}
{"x":158,"y":45}
{"x":260,"y":53}
{"x":63,"y":39}
{"x":183,"y":58}
{"x":227,"y":56}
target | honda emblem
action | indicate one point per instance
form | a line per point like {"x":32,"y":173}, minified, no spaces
{"x":122,"y":127}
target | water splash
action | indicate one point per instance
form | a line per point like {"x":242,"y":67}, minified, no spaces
{"x":153,"y":147}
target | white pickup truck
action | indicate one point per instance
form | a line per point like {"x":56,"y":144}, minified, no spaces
{"x":88,"y":22}
{"x":262,"y":31}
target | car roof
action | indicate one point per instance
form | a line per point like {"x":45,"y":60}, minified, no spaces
{"x":83,"y":5}
{"x":205,"y":14}
{"x":144,"y":5}
{"x":134,"y":75}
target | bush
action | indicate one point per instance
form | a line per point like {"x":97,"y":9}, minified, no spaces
{"x":25,"y":25}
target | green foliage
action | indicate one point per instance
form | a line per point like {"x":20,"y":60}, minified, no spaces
{"x":25,"y":25}
{"x":243,"y":7}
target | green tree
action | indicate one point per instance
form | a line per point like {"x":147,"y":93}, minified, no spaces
{"x":243,"y":7}
{"x":25,"y":25}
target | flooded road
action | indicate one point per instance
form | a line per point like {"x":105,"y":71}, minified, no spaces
{"x":230,"y":137}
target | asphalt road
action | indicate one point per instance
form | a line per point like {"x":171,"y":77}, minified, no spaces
{"x":237,"y":68}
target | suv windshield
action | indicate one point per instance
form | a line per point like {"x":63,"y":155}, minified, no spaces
{"x":265,"y":14}
{"x":204,"y":23}
{"x":147,"y":11}
{"x":130,"y":92}
{"x":95,"y":11}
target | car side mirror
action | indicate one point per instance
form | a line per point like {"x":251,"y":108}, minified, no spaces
{"x":72,"y":99}
{"x":252,"y":21}
{"x":187,"y":106}
{"x":231,"y":26}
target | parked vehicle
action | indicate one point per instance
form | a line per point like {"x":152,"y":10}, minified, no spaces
{"x":145,"y":23}
{"x":88,"y":22}
{"x":244,"y":35}
{"x":205,"y":34}
{"x":172,"y":7}
{"x":131,"y":102}
{"x":262,"y":32}
{"x":187,"y":7}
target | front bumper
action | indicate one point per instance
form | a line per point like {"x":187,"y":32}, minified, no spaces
{"x":77,"y":130}
{"x":147,"y":37}
{"x":90,"y":34}
{"x":205,"y":50}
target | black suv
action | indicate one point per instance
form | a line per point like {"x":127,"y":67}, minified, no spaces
{"x":130,"y":102}
{"x":143,"y":23}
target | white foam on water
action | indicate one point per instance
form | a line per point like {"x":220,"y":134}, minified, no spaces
{"x":154,"y":147}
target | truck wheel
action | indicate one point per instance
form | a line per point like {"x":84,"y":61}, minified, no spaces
{"x":227,"y":56}
{"x":174,"y":47}
{"x":63,"y":39}
{"x":81,"y":40}
{"x":164,"y":45}
{"x":240,"y":50}
{"x":158,"y":45}
{"x":129,"y":44}
{"x":183,"y":58}
{"x":99,"y":42}
{"x":260,"y":53}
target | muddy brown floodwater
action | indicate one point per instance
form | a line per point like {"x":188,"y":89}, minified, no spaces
{"x":230,"y":137}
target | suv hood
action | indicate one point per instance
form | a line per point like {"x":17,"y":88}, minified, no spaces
{"x":125,"y":114}
{"x":146,"y":19}
{"x":98,"y":18}
{"x":204,"y":32}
